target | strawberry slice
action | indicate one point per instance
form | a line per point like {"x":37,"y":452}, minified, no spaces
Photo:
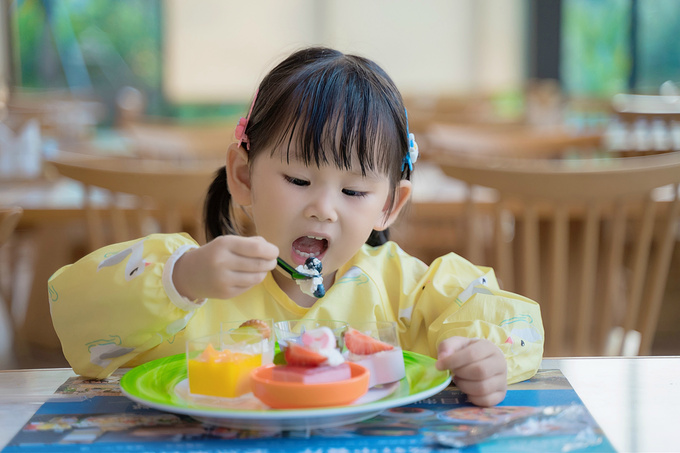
{"x":301,"y":356}
{"x":362,"y":344}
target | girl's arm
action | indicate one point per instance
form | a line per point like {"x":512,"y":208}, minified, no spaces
{"x":454,"y":298}
{"x":123,"y":300}
{"x":225,"y":267}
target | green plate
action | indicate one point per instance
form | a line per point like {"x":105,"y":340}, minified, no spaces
{"x":162,"y":384}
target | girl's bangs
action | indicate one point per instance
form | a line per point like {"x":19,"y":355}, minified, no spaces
{"x":332,"y":124}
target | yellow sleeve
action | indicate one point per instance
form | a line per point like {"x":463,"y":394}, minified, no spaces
{"x":457,"y":298}
{"x":112,"y":305}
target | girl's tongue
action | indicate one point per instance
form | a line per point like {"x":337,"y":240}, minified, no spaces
{"x":308,"y":246}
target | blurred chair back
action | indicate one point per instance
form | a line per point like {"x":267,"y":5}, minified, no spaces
{"x":173,"y":140}
{"x":9,"y":219}
{"x":167,"y":138}
{"x":428,"y":229}
{"x":140,"y":197}
{"x":590,"y":242}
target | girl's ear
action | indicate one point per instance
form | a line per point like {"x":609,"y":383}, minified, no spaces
{"x":238,"y":175}
{"x":403,"y":195}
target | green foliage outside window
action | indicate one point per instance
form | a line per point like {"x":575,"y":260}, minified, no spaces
{"x":595,"y":56}
{"x":596,"y":46}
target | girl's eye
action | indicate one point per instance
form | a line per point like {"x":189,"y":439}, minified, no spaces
{"x":296,"y":181}
{"x":354,"y":193}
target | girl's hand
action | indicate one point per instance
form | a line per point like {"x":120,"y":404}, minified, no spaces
{"x":478,"y":366}
{"x":224,"y":268}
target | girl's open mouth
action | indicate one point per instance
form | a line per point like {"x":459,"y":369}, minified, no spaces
{"x":308,"y":246}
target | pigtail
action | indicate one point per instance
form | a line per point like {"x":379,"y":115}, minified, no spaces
{"x":216,"y":210}
{"x":378,"y":237}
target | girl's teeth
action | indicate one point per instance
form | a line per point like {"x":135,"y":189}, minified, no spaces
{"x":310,"y":255}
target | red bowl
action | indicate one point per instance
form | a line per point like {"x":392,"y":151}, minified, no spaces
{"x":295,"y":395}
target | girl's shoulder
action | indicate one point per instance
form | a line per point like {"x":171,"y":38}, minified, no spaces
{"x":388,"y":257}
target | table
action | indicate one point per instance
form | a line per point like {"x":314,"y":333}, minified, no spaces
{"x":515,"y":141}
{"x":634,"y":399}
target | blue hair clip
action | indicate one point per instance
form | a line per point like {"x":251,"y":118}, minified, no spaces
{"x":412,"y":156}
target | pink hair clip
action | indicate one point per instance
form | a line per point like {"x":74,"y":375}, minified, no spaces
{"x":240,"y":131}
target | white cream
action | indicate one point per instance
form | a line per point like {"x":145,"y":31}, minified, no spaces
{"x":322,"y":340}
{"x":311,"y":286}
{"x":333,"y":356}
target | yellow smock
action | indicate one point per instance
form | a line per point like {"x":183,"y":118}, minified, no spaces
{"x":117,"y":307}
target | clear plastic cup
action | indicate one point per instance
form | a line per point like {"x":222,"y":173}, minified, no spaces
{"x":292,"y":330}
{"x":385,"y":331}
{"x":384,"y":361}
{"x":220,"y":364}
{"x":251,"y":337}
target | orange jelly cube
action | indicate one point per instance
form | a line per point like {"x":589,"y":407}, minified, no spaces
{"x":222,"y":373}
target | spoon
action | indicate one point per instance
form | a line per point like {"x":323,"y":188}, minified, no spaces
{"x":294,"y":273}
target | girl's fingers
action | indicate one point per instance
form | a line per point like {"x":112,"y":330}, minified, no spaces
{"x":483,"y":369}
{"x":243,"y":264}
{"x":253,"y":247}
{"x":481,"y":387}
{"x":244,"y":279}
{"x":453,"y":344}
{"x":458,"y":354}
{"x":478,"y":360}
{"x":489,"y":400}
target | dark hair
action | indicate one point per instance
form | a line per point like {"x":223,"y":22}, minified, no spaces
{"x":325,"y":107}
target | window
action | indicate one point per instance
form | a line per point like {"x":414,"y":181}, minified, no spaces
{"x":612,"y":46}
{"x":88,"y":46}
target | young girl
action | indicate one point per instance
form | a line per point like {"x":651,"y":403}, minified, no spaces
{"x":321,"y":170}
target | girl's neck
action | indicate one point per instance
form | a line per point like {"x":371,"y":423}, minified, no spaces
{"x":293,"y":291}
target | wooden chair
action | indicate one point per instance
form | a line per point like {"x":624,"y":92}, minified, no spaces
{"x":591,"y":241}
{"x":9,"y":219}
{"x":142,"y":196}
{"x":429,"y":229}
{"x":173,"y":140}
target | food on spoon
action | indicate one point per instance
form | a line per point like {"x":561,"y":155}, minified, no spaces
{"x":384,"y":361}
{"x":312,"y":286}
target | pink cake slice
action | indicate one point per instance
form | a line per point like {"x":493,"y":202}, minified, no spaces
{"x":384,"y":367}
{"x":311,"y":375}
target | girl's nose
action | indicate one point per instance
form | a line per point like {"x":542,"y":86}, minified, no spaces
{"x":321,"y":207}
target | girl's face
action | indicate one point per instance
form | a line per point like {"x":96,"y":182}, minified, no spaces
{"x":324,"y":212}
